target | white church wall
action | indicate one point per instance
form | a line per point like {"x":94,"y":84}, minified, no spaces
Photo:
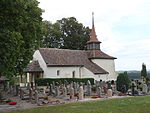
{"x":62,"y":72}
{"x":109,"y":66}
{"x":88,"y":74}
{"x":37,"y":56}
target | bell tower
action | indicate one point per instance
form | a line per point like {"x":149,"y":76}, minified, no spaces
{"x":93,"y":43}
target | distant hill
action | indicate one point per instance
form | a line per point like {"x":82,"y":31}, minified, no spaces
{"x":134,"y":74}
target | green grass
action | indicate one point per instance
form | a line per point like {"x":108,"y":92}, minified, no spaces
{"x":119,"y":105}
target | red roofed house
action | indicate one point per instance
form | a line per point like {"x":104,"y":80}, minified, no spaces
{"x":65,"y":63}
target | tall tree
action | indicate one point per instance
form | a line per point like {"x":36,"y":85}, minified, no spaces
{"x":144,"y":71}
{"x":66,"y":33}
{"x":123,"y":82}
{"x":51,"y":35}
{"x":20,"y":34}
{"x":74,"y":34}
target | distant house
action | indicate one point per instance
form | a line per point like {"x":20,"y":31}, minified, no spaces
{"x":65,"y":63}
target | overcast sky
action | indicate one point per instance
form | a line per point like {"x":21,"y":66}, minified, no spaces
{"x":123,"y":26}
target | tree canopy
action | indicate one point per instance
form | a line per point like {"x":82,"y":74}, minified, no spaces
{"x":123,"y":81}
{"x":144,"y":71}
{"x":66,"y":33}
{"x":20,"y":34}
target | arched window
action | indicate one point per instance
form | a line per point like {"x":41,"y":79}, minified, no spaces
{"x":58,"y":72}
{"x":73,"y":74}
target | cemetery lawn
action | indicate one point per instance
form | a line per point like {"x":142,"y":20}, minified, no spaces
{"x":139,"y":104}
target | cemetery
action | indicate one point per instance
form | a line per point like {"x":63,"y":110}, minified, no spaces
{"x":14,"y":97}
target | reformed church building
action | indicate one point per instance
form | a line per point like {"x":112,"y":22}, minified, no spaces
{"x":65,"y":63}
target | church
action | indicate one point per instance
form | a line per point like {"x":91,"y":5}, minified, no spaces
{"x":66,"y":63}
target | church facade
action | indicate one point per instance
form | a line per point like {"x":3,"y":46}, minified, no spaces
{"x":65,"y":63}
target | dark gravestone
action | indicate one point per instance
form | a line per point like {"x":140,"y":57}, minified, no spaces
{"x":133,"y":89}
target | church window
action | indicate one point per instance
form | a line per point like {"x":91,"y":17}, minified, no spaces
{"x":73,"y":74}
{"x":58,"y":72}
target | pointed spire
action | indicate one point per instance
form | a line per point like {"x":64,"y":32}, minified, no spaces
{"x":92,"y":18}
{"x":93,"y":36}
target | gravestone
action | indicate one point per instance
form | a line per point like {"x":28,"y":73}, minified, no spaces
{"x":53,"y":84}
{"x":32,"y":85}
{"x":81,"y":93}
{"x":36,"y":97}
{"x":28,"y":86}
{"x":66,"y":83}
{"x":47,"y":85}
{"x":49,"y":99}
{"x":133,"y":89}
{"x":109,"y":85}
{"x":109,"y":93}
{"x":98,"y":91}
{"x":144,"y":88}
{"x":21,"y":94}
{"x":57,"y":92}
{"x":100,"y":84}
{"x":75,"y":87}
{"x":50,"y":89}
{"x":89,"y":88}
{"x":30,"y":94}
{"x":36,"y":85}
{"x":71,"y":84}
{"x":114,"y":89}
{"x":17,"y":90}
{"x":64,"y":92}
{"x":71,"y":93}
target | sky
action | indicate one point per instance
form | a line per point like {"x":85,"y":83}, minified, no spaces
{"x":123,"y":26}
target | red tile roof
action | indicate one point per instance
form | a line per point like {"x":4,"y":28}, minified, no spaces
{"x":33,"y":67}
{"x":66,"y":57}
{"x":98,"y":54}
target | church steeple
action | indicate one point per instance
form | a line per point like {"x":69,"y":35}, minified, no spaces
{"x":93,"y":43}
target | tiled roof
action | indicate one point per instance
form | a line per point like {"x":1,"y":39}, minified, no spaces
{"x":98,"y":54}
{"x":66,"y":57}
{"x":33,"y":67}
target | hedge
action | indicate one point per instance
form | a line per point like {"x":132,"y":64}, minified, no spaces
{"x":44,"y":81}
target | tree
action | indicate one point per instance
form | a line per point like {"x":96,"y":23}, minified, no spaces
{"x":66,"y":33}
{"x":123,"y":81}
{"x":51,"y":35}
{"x":20,"y":34}
{"x":144,"y":71}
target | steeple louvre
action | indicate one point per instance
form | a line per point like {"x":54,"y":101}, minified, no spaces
{"x":93,"y":43}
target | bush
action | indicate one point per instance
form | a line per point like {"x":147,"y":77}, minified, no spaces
{"x":123,"y":81}
{"x":44,"y":81}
